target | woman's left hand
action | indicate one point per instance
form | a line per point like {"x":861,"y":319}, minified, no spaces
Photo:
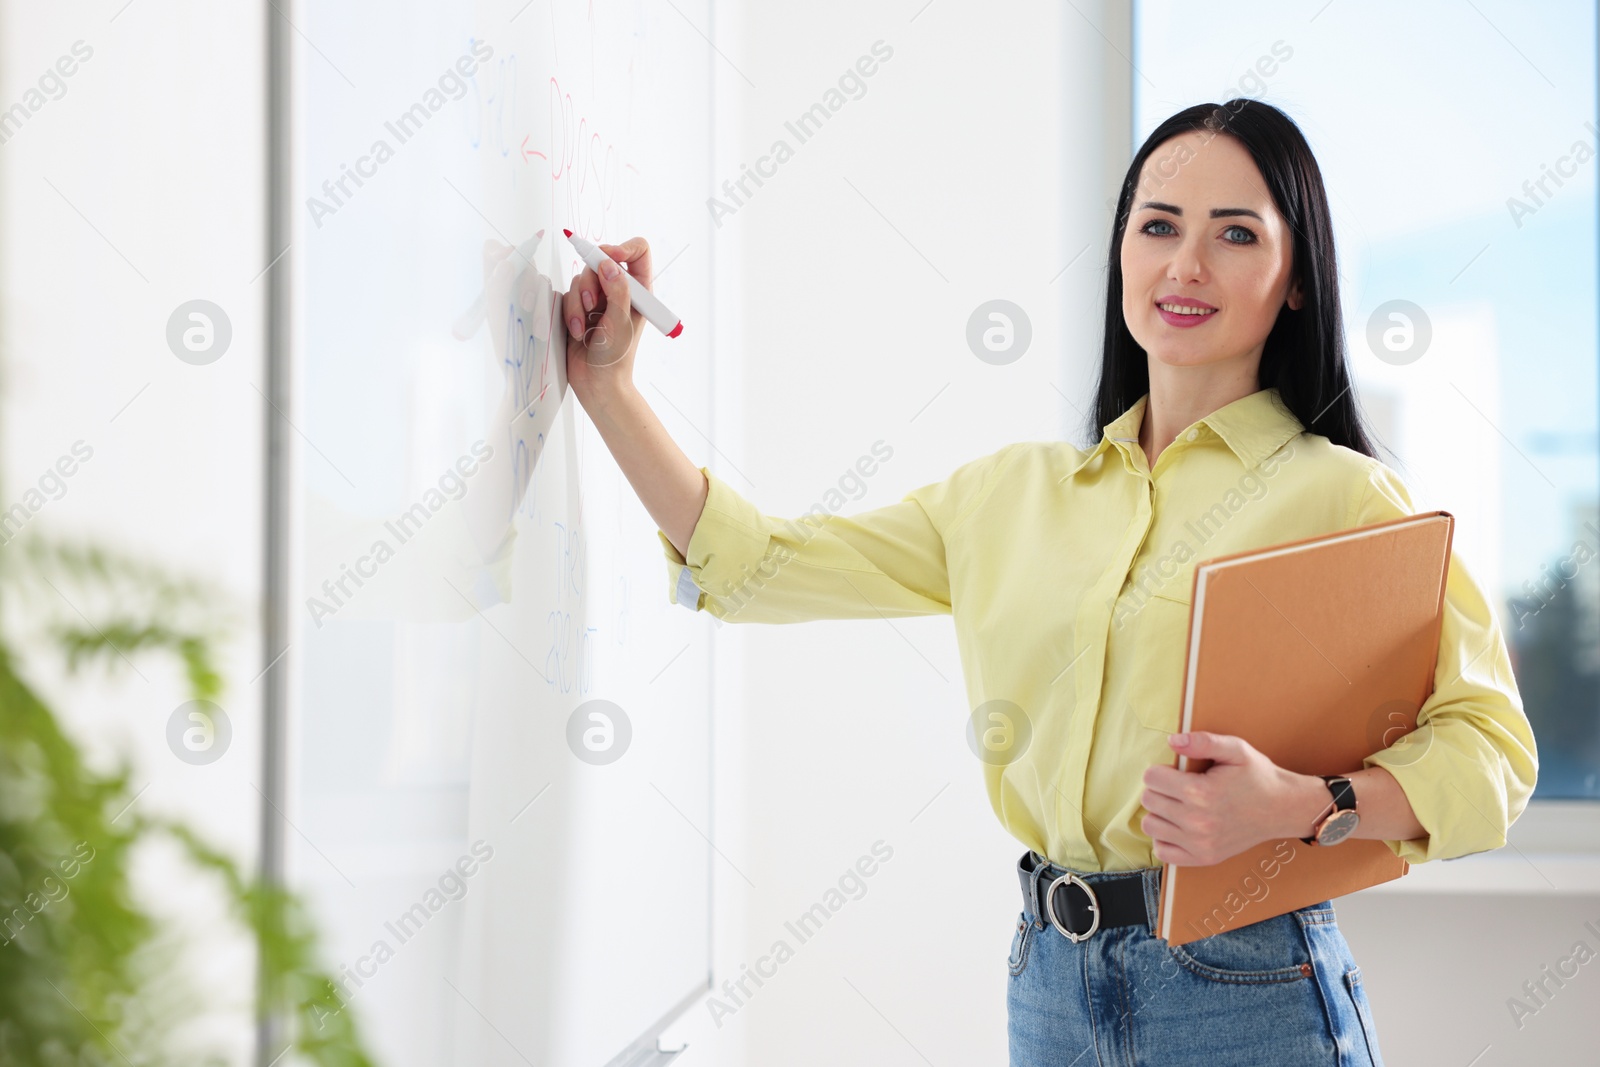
{"x":1196,"y":819}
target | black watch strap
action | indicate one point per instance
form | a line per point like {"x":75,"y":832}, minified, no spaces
{"x":1344,"y":798}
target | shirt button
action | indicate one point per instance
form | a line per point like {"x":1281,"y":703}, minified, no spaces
{"x":1192,"y":434}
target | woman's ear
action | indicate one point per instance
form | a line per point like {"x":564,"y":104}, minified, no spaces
{"x":1295,"y":300}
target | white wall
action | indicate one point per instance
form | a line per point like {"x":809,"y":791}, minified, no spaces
{"x":964,"y":159}
{"x":139,"y":188}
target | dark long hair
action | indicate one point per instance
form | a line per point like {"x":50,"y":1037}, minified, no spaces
{"x":1304,"y":356}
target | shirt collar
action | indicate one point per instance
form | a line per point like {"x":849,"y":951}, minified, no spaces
{"x":1254,"y":426}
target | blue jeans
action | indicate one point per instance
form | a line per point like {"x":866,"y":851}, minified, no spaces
{"x":1282,"y":991}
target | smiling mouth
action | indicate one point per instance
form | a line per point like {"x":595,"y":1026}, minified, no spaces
{"x":1184,"y":309}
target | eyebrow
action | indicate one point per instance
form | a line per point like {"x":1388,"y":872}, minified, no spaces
{"x":1216,"y":212}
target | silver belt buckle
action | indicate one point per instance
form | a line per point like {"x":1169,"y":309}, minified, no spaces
{"x":1050,"y":907}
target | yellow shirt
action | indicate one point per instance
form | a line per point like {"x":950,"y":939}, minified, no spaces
{"x":1068,"y":576}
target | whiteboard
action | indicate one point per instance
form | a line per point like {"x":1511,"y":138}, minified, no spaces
{"x":472,"y":569}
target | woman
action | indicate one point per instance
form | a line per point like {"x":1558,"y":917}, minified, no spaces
{"x":1228,"y":423}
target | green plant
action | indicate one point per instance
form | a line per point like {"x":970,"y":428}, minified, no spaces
{"x":83,"y":974}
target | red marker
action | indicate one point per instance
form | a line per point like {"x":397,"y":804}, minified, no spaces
{"x":643,"y":300}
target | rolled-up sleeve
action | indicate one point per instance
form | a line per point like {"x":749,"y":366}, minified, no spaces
{"x":744,"y":566}
{"x":1469,"y":768}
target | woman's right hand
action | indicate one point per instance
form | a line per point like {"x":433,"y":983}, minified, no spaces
{"x":603,"y":330}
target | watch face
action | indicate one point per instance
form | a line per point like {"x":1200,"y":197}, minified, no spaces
{"x":1338,"y":827}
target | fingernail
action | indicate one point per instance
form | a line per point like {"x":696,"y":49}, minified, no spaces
{"x":608,"y":268}
{"x":588,"y":300}
{"x":575,"y":325}
{"x":1180,"y":739}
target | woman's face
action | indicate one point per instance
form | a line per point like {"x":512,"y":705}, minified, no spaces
{"x":1203,"y":231}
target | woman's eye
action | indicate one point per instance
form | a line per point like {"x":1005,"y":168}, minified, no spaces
{"x":1239,"y":235}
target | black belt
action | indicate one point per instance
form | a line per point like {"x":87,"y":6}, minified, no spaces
{"x":1078,"y":907}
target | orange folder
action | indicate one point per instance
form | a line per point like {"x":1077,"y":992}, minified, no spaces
{"x":1318,"y":652}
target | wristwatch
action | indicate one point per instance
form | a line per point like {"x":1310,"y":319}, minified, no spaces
{"x":1337,"y":824}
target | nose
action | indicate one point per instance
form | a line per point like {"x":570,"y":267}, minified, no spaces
{"x":1188,"y":263}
